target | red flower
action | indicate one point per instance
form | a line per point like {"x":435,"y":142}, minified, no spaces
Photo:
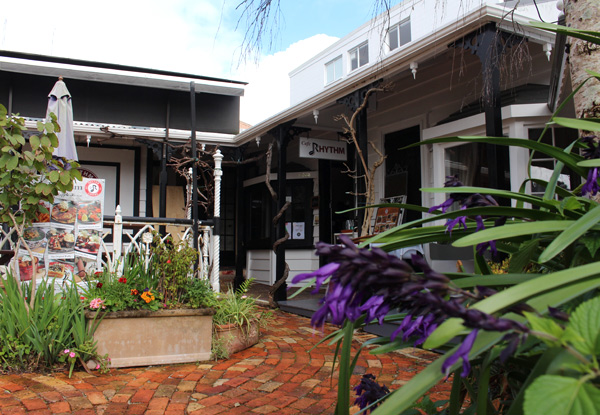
{"x":99,"y":285}
{"x":134,"y":292}
{"x":168,"y":261}
{"x":123,"y":280}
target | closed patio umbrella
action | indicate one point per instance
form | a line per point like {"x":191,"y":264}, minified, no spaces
{"x":59,"y":102}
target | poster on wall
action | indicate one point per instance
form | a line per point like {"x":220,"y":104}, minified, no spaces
{"x":66,"y":240}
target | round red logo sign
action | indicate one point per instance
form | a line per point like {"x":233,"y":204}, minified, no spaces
{"x":93,"y":188}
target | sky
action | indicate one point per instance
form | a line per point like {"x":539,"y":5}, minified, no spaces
{"x":202,"y":37}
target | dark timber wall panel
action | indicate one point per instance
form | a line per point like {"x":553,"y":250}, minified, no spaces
{"x":102,"y":102}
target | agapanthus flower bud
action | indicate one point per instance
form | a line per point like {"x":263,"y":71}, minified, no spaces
{"x":368,"y":391}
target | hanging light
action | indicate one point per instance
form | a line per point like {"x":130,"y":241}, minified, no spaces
{"x":548,"y":49}
{"x":316,"y":115}
{"x":413,"y":68}
{"x":257,"y":141}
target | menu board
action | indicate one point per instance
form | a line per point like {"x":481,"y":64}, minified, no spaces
{"x":386,"y":218}
{"x":65,"y":241}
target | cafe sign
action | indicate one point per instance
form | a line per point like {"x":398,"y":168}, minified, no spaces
{"x":323,"y":149}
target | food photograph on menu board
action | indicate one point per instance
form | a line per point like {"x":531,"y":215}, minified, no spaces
{"x":64,"y":212}
{"x":41,"y":217}
{"x":88,"y":241}
{"x":35,"y":238}
{"x":26,"y":264}
{"x":60,"y":240}
{"x":60,"y":269}
{"x":89,"y":213}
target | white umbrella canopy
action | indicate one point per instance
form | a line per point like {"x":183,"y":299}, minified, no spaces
{"x":59,"y":102}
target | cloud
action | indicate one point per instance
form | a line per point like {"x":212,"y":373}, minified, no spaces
{"x":176,"y":35}
{"x":195,"y":36}
{"x":268,"y":89}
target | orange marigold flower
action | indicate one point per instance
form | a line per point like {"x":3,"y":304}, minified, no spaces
{"x":147,"y":296}
{"x":134,"y":292}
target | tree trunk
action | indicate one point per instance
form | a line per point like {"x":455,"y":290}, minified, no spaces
{"x":584,"y":15}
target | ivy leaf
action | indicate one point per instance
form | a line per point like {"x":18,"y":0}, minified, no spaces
{"x":559,"y":395}
{"x":12,"y":163}
{"x":591,"y":242}
{"x":53,"y":176}
{"x":4,"y":160}
{"x":45,"y":141}
{"x":570,"y":203}
{"x":545,"y":325}
{"x":34,"y":140}
{"x":53,"y":140}
{"x":520,"y":259}
{"x":585,"y":321}
{"x":65,"y":178}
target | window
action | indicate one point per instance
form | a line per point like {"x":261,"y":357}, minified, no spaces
{"x":359,"y":56}
{"x":333,"y":70}
{"x":468,"y":162}
{"x":542,"y":166}
{"x":399,"y":35}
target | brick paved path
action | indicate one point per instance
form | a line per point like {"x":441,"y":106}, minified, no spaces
{"x":277,"y":376}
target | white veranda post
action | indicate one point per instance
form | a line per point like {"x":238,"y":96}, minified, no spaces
{"x":218,"y":157}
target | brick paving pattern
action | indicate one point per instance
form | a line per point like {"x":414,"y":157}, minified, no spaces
{"x":280,"y":375}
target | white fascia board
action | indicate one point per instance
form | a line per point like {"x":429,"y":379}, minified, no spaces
{"x":419,"y":50}
{"x":124,"y":131}
{"x":112,"y":76}
{"x":477,"y":121}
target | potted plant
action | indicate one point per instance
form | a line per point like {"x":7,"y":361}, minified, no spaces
{"x":237,"y":321}
{"x":156,"y":312}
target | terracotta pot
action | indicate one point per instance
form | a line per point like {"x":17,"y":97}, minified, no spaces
{"x":144,"y":337}
{"x":236,"y":338}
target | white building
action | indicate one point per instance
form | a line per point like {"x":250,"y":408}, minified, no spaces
{"x":432,"y":56}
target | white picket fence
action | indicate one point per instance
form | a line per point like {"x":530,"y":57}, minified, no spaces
{"x":134,"y":238}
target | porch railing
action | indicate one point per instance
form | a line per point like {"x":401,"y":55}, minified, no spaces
{"x":139,"y":239}
{"x":133,"y":235}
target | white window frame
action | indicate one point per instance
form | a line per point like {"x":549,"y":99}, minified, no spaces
{"x":539,"y":157}
{"x":400,"y":40}
{"x":332,"y":63}
{"x":356,"y":50}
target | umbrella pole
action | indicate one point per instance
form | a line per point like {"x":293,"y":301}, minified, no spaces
{"x":194,"y":169}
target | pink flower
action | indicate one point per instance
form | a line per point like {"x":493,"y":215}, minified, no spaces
{"x":66,"y":351}
{"x":97,"y":367}
{"x":72,"y":354}
{"x":244,"y":296}
{"x":97,"y":303}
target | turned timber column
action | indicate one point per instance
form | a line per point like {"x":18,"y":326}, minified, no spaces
{"x":215,"y":278}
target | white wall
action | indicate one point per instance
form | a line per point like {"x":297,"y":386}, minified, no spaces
{"x":426,"y":16}
{"x":126,"y":159}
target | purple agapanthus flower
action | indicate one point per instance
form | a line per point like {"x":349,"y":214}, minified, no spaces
{"x":591,"y":186}
{"x":451,"y":181}
{"x":321,"y":275}
{"x":371,"y":283}
{"x":421,"y":327}
{"x":369,"y":391}
{"x":468,"y":201}
{"x":461,"y":353}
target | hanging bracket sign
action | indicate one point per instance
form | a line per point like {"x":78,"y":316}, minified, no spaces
{"x":323,"y":149}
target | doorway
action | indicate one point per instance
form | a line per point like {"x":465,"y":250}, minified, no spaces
{"x":403,"y":168}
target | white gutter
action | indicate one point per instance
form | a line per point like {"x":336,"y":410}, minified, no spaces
{"x":128,"y":132}
{"x":419,"y":50}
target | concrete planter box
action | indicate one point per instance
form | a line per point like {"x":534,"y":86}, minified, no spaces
{"x":235,"y":338}
{"x":144,"y":337}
